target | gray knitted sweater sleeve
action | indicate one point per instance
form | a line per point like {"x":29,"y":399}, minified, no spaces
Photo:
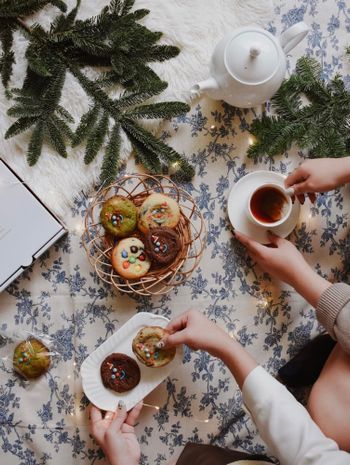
{"x":333,"y":312}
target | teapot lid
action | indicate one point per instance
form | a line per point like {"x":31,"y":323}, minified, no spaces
{"x":252,"y":56}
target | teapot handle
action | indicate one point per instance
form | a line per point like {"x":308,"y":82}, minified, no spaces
{"x":292,"y":36}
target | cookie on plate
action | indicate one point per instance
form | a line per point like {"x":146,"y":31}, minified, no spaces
{"x":120,"y":372}
{"x":31,"y":358}
{"x":158,"y":210}
{"x":119,"y":216}
{"x":162,"y":245}
{"x":129,"y":258}
{"x":144,"y":346}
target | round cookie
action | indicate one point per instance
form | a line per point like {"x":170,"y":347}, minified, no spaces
{"x":129,"y":258}
{"x":158,"y":210}
{"x":144,"y":346}
{"x":162,"y":245}
{"x":119,"y":216}
{"x":31,"y":358}
{"x":120,"y":372}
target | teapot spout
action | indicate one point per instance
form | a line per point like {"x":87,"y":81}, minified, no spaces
{"x":208,"y":86}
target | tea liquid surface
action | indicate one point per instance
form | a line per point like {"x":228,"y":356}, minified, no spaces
{"x":268,"y":205}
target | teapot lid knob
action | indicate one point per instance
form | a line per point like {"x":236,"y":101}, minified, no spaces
{"x":254,"y":51}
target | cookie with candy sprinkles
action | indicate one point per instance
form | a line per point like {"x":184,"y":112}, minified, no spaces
{"x":162,"y":245}
{"x":144,"y":346}
{"x":129,"y":258}
{"x":31,"y":358}
{"x":120,"y":372}
{"x":158,"y":210}
{"x":118,"y":216}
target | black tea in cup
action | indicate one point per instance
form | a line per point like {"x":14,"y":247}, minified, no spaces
{"x":268,"y":205}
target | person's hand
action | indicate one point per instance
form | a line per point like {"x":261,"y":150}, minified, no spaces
{"x":115,"y":434}
{"x":321,"y":175}
{"x":281,"y":259}
{"x":197,"y":331}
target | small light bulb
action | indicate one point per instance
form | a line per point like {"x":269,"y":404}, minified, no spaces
{"x":213,"y":127}
{"x":79,"y":229}
{"x":174,"y":167}
{"x":251,"y":140}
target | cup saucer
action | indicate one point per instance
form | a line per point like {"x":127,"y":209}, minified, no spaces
{"x":237,"y":210}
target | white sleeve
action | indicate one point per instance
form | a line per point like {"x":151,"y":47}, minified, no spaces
{"x":285,"y":425}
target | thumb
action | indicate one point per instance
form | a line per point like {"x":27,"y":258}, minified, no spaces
{"x":274,"y":239}
{"x":119,"y":416}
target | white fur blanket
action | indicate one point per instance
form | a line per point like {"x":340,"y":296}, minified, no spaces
{"x":195,"y":26}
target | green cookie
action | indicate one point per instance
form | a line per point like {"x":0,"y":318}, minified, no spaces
{"x":31,"y":358}
{"x":119,"y":216}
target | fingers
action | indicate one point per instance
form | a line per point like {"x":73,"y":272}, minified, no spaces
{"x":178,"y":323}
{"x":312,"y":197}
{"x":174,"y":339}
{"x":296,"y":177}
{"x":119,"y":417}
{"x":134,"y":414}
{"x":109,"y":416}
{"x":251,"y":245}
{"x":95,"y":414}
{"x":301,"y":188}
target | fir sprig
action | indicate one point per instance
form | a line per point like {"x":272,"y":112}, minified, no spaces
{"x":319,"y":125}
{"x":113,"y":39}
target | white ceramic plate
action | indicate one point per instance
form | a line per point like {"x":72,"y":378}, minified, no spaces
{"x":237,"y":206}
{"x":121,"y":341}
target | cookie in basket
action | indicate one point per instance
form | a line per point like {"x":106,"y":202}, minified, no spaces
{"x":120,"y":372}
{"x":119,"y":216}
{"x":31,"y":358}
{"x":158,"y":210}
{"x":129,"y":258}
{"x":144,"y":346}
{"x":162,"y":245}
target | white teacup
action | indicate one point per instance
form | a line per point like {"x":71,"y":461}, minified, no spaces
{"x":270,"y":205}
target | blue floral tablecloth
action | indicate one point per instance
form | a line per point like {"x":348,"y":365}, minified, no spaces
{"x":45,"y":422}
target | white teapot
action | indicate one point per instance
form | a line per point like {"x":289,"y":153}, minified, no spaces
{"x":249,"y":64}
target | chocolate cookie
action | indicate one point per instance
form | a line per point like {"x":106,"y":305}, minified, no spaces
{"x":118,"y":216}
{"x":162,"y":245}
{"x":120,"y":372}
{"x":31,"y":358}
{"x":144,"y":346}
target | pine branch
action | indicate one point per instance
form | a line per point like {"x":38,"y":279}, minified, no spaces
{"x":96,"y":138}
{"x":113,"y":39}
{"x":86,"y":125}
{"x":159,"y":110}
{"x":149,"y":160}
{"x":15,"y":8}
{"x":7,"y":58}
{"x":36,"y":143}
{"x":111,"y":158}
{"x":21,"y":125}
{"x":320,"y":126}
{"x":162,"y":151}
{"x":131,"y":99}
{"x":56,"y":138}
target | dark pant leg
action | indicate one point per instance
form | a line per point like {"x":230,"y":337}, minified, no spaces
{"x":304,"y":369}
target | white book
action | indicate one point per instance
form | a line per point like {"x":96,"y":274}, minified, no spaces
{"x":27,"y":227}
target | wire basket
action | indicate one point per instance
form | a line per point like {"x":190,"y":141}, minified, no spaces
{"x":191,"y":229}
